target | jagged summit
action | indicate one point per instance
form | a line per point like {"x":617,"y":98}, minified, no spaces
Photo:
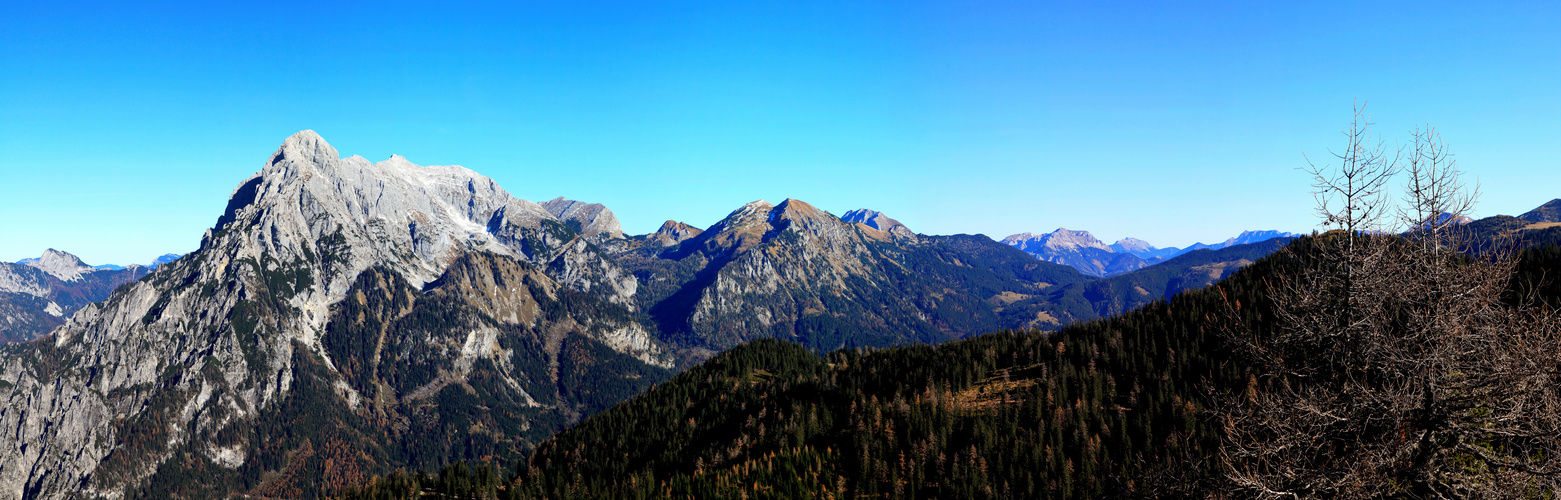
{"x":414,"y":219}
{"x":61,"y":265}
{"x":387,"y":211}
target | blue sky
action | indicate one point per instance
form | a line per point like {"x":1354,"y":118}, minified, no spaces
{"x":124,"y":128}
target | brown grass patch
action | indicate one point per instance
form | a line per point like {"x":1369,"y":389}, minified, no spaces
{"x":1005,"y":387}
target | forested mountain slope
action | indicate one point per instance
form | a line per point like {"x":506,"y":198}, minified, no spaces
{"x":1112,"y":407}
{"x":1093,"y":409}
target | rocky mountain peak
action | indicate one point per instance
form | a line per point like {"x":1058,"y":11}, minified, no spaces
{"x":1255,"y":236}
{"x":589,"y":219}
{"x":792,"y":209}
{"x":749,"y":211}
{"x":673,"y":232}
{"x":870,"y":218}
{"x":1016,"y":239}
{"x":740,"y":230}
{"x":306,"y":148}
{"x":877,"y":220}
{"x":1132,"y":245}
{"x":759,"y":221}
{"x":61,"y":265}
{"x":1063,"y":239}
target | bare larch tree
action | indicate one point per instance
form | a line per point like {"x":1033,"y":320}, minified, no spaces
{"x":1394,"y":368}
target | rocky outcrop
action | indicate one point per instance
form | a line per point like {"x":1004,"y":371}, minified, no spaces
{"x":59,"y":264}
{"x":881,"y":226}
{"x":671,"y":233}
{"x":592,"y":220}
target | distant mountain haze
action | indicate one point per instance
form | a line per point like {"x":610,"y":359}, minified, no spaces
{"x":1080,"y":249}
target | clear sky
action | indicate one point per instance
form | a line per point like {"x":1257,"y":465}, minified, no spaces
{"x":123,"y":128}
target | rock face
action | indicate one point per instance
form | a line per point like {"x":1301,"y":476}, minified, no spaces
{"x":879,"y":222}
{"x":589,"y":219}
{"x":61,"y":265}
{"x":1549,"y":212}
{"x":189,"y":361}
{"x":1062,"y":239}
{"x":672,"y":233}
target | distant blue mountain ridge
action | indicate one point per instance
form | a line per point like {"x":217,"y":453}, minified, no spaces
{"x":1080,"y":250}
{"x":160,"y":260}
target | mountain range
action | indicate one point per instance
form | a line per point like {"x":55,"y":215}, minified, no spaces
{"x":1080,"y":250}
{"x":160,"y":260}
{"x":1123,"y":407}
{"x":344,"y":318}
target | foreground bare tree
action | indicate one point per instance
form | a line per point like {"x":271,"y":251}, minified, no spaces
{"x":1395,"y":369}
{"x":1438,"y":199}
{"x":1350,"y":194}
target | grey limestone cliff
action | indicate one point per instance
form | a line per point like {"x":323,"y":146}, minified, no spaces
{"x":180,"y":362}
{"x":592,"y":220}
